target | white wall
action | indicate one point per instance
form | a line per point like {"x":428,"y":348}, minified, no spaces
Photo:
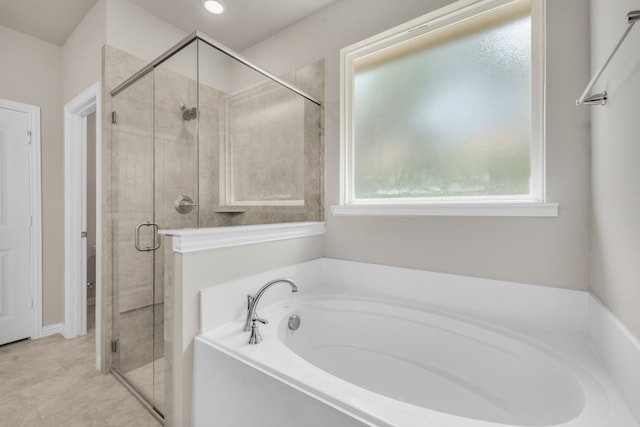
{"x":615,"y":256}
{"x":548,"y":251}
{"x":82,"y":52}
{"x":138,"y":32}
{"x":31,"y":72}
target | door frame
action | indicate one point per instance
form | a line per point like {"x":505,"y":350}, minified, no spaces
{"x":75,"y":212}
{"x":35,"y":202}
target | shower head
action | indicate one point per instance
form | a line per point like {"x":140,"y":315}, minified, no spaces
{"x":188,"y":113}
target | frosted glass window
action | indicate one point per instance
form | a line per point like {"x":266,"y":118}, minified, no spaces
{"x":447,"y":113}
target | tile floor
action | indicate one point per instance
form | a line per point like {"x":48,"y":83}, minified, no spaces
{"x":150,"y":379}
{"x":52,"y":382}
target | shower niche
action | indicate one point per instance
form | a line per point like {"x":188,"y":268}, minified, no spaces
{"x":197,"y":138}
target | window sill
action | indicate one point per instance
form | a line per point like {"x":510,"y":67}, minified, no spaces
{"x":503,"y":209}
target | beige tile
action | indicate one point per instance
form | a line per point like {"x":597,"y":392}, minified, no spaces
{"x":27,"y":416}
{"x":134,"y":298}
{"x":53,"y":382}
{"x":77,"y":411}
{"x":132,"y":270}
{"x":119,"y":66}
{"x":89,"y":418}
{"x":132,"y":171}
{"x":172,"y":89}
{"x":135,"y":329}
{"x":150,"y":379}
{"x":128,"y":413}
{"x":176,"y":175}
{"x":273,"y":156}
{"x":265,"y":139}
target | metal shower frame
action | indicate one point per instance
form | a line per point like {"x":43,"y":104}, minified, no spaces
{"x":197,"y":35}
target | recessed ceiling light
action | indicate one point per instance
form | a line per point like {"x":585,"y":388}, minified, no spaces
{"x":214,"y":6}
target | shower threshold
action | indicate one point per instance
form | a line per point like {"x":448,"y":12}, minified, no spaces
{"x":142,"y":397}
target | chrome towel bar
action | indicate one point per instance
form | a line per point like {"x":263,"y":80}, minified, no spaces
{"x":601,"y":98}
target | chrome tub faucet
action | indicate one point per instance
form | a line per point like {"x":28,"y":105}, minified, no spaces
{"x":250,"y":324}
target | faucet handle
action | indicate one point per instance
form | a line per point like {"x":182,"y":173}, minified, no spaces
{"x":255,"y":337}
{"x":261,"y":320}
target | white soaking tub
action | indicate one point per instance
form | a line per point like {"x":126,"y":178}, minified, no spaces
{"x":366,"y":360}
{"x":438,"y":363}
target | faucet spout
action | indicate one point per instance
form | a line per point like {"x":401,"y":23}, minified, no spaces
{"x":252,"y":301}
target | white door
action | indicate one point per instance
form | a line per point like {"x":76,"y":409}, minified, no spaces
{"x":15,"y":229}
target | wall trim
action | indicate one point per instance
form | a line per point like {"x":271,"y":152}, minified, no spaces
{"x":56,"y":328}
{"x":35,"y":200}
{"x":618,"y":349}
{"x":75,"y":112}
{"x":194,"y":240}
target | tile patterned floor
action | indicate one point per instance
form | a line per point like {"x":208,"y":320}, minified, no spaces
{"x":52,"y":382}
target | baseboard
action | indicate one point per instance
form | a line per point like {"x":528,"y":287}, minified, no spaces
{"x":618,"y":349}
{"x":56,"y":328}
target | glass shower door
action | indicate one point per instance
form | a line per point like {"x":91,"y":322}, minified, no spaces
{"x":134,"y":233}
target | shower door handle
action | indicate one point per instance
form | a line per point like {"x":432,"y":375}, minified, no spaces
{"x":156,"y":241}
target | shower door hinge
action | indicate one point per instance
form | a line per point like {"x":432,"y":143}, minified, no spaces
{"x":114,"y":117}
{"x":114,"y":346}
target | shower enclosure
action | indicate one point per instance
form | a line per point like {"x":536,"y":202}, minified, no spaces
{"x":198,"y":138}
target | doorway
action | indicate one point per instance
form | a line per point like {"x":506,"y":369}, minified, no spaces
{"x":79,"y":115}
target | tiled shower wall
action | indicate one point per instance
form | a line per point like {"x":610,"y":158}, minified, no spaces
{"x":262,"y":152}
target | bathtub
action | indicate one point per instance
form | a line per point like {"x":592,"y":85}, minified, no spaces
{"x":376,"y":360}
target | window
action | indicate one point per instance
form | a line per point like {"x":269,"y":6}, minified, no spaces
{"x":444,"y":114}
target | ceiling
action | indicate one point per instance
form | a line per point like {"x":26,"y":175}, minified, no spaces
{"x":48,"y":20}
{"x":245,"y":22}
